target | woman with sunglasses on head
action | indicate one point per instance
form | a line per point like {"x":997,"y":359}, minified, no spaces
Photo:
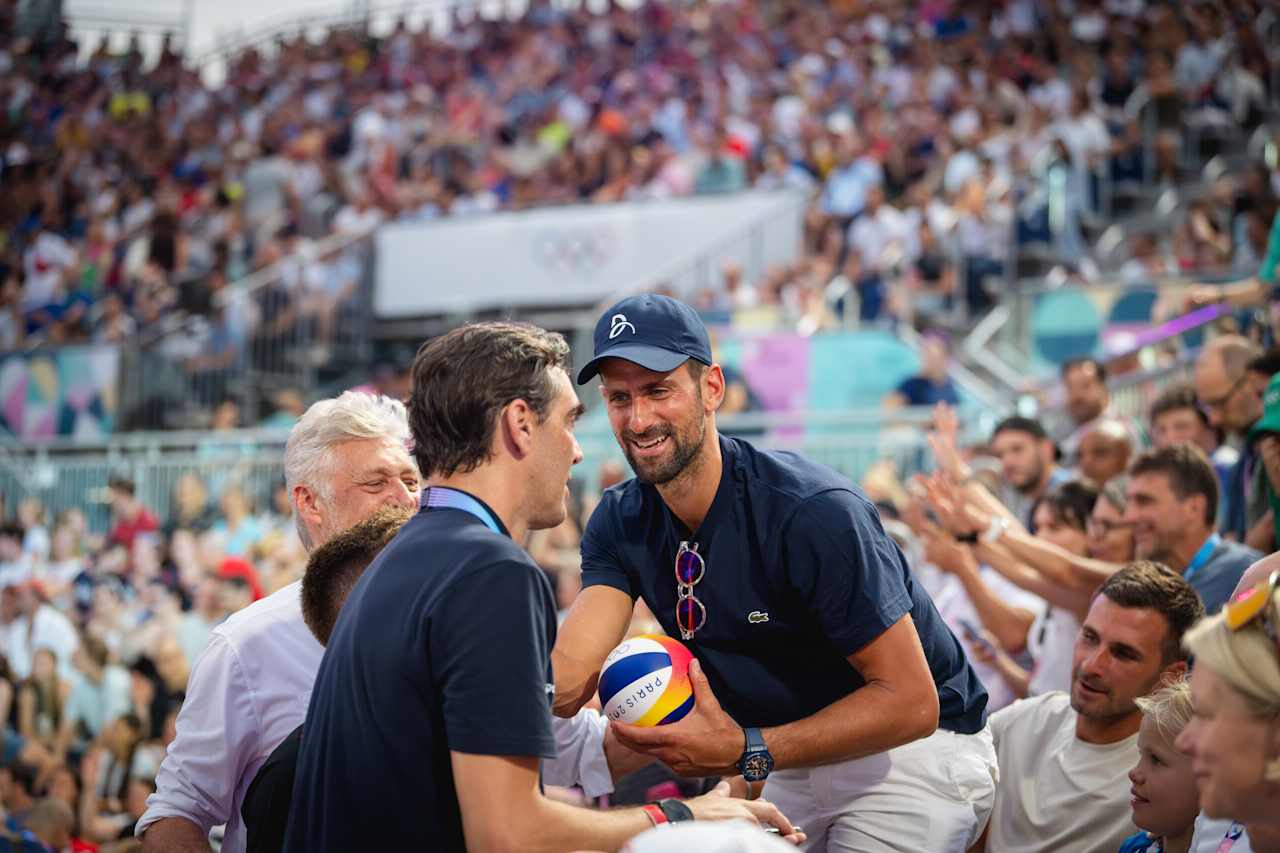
{"x":1234,"y":734}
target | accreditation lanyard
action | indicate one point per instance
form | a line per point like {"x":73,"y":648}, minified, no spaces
{"x":1233,"y":835}
{"x":442,"y":497}
{"x":1202,"y":556}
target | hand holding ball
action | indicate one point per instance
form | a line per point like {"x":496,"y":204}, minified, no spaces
{"x":645,"y":681}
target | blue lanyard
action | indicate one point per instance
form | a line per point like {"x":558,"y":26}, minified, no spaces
{"x":442,"y":496}
{"x":1202,"y":556}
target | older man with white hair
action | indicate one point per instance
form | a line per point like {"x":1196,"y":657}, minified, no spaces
{"x":345,"y":458}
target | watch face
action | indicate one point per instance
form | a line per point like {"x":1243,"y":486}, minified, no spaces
{"x":757,"y":767}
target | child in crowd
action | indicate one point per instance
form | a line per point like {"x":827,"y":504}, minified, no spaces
{"x":1164,"y":797}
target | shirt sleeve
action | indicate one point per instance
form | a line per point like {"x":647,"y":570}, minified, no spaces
{"x":217,"y":733}
{"x":600,"y":563}
{"x":845,"y":568}
{"x":580,"y":758}
{"x":1001,"y":720}
{"x":491,"y":638}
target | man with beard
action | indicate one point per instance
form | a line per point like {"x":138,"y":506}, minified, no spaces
{"x":821,"y":665}
{"x":1026,"y":456}
{"x":1173,"y":505}
{"x":1065,"y":758}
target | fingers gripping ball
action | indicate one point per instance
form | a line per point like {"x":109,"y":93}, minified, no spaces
{"x":645,"y":681}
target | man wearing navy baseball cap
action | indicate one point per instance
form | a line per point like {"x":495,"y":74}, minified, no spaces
{"x":821,"y":666}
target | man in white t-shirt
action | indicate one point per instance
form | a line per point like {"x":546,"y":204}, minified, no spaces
{"x":1064,"y":758}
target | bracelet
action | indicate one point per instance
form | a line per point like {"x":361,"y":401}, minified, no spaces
{"x":999,"y":524}
{"x":675,"y":810}
{"x":970,"y":538}
{"x":655,"y":814}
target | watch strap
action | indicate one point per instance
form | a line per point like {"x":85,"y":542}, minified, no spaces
{"x":656,"y":815}
{"x":675,"y":810}
{"x":755,"y":740}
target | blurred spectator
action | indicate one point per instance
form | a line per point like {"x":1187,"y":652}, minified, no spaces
{"x":1104,"y":451}
{"x":1173,"y":506}
{"x":99,"y":694}
{"x":1027,"y":461}
{"x":1087,"y":399}
{"x":37,"y":625}
{"x":41,"y":700}
{"x":237,"y":525}
{"x":1265,"y":436}
{"x":932,"y":384}
{"x":287,"y":406}
{"x":49,"y":822}
{"x":190,"y":510}
{"x":128,"y":516}
{"x":1232,"y":398}
{"x":1176,"y":417}
{"x":207,"y":612}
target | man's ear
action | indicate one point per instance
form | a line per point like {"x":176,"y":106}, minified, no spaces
{"x":1173,"y":672}
{"x":306,"y":503}
{"x":712,"y":387}
{"x":516,"y":422}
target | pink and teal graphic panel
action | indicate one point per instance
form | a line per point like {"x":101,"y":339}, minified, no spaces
{"x":69,"y":392}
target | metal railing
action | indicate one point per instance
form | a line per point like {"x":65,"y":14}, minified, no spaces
{"x":65,"y":473}
{"x":299,"y":324}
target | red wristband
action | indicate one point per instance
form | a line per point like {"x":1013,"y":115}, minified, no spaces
{"x":655,"y":814}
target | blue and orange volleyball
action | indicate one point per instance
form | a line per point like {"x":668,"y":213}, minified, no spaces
{"x":645,"y":681}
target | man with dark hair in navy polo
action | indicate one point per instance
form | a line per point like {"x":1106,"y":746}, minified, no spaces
{"x":820,"y":664}
{"x":433,"y":701}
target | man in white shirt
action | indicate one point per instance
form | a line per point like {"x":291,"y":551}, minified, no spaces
{"x":1064,"y":758}
{"x":39,"y":626}
{"x":249,"y":689}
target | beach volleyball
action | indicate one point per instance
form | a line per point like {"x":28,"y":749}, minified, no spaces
{"x":645,"y":681}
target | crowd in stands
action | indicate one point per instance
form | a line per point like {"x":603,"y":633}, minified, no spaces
{"x":1011,"y":537}
{"x":927,"y":134}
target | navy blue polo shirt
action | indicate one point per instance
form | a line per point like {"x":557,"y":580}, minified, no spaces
{"x":444,"y":644}
{"x":799,"y":575}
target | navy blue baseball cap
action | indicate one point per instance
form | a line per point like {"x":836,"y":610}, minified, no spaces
{"x":656,"y":332}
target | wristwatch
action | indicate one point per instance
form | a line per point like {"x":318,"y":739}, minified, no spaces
{"x":756,"y":763}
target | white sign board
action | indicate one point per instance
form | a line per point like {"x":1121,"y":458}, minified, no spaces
{"x":581,"y":254}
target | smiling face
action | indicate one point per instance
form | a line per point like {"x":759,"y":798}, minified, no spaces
{"x":660,"y":419}
{"x":1163,"y":795}
{"x":1110,"y":536}
{"x":364,"y":475}
{"x":1162,"y":522}
{"x":1229,"y":747}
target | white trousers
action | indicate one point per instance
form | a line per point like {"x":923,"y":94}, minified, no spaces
{"x":931,"y":795}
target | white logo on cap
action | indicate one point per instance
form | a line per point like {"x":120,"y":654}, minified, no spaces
{"x":617,"y":324}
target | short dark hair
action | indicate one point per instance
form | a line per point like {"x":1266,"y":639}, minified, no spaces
{"x":122,"y":484}
{"x":1268,"y":364}
{"x":1157,"y":587}
{"x":1189,"y":473}
{"x":1072,"y":363}
{"x":1175,"y":398}
{"x":24,"y":775}
{"x":463,"y":380}
{"x":334,"y":567}
{"x":1017,"y":423}
{"x":1072,"y":503}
